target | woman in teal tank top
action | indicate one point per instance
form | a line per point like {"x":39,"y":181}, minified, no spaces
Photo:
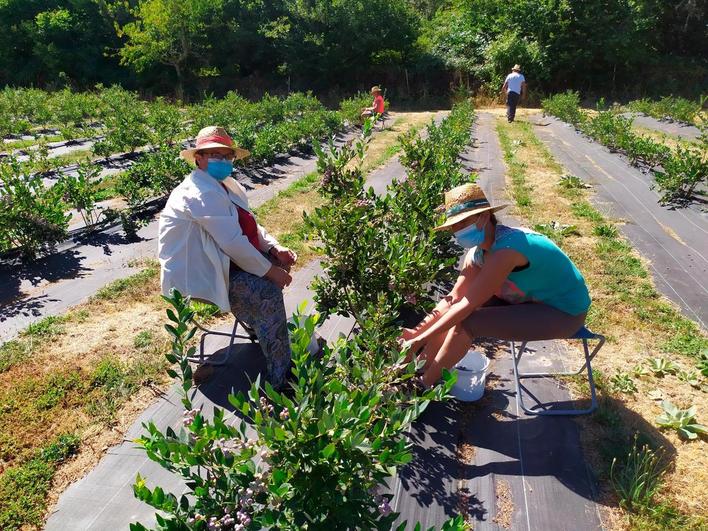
{"x":515,"y":284}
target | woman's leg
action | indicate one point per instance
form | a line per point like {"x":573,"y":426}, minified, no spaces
{"x":456,"y":343}
{"x":515,"y":322}
{"x":259,"y":303}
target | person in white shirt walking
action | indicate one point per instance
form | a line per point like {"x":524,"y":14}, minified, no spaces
{"x":211,"y":248}
{"x":514,"y":89}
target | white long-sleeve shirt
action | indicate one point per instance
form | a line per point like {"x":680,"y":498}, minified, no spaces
{"x":200,"y":234}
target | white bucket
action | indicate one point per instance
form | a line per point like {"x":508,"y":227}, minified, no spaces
{"x":471,"y":375}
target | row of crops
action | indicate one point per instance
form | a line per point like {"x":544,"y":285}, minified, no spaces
{"x":671,"y":109}
{"x":322,"y":456}
{"x":35,"y":213}
{"x":678,"y":172}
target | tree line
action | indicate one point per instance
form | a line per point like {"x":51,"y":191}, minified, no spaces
{"x":415,"y":48}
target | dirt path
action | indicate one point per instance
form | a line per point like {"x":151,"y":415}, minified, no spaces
{"x":674,"y":241}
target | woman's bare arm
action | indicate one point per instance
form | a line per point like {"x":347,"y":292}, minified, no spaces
{"x":464,"y":280}
{"x":487,"y":281}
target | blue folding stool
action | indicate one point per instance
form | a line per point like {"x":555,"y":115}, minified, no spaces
{"x":584,"y":335}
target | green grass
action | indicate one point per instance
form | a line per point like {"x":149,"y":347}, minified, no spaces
{"x":129,"y":284}
{"x":304,"y":184}
{"x":13,"y":352}
{"x":517,"y":170}
{"x":106,"y":187}
{"x":46,"y":327}
{"x":23,"y":144}
{"x":24,"y":488}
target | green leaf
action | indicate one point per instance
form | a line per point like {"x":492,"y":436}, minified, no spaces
{"x":328,"y":450}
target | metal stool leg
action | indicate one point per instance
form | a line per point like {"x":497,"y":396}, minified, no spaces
{"x":518,"y":376}
{"x":202,"y":359}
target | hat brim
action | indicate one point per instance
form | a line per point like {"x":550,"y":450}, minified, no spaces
{"x":188,"y":154}
{"x":449,"y":222}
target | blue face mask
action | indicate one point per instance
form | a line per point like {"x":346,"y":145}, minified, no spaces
{"x":220,"y":169}
{"x":470,"y":236}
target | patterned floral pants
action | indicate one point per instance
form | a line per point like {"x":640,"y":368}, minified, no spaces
{"x":259,"y":303}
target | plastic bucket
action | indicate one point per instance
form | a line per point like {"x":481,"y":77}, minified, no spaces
{"x":471,"y":376}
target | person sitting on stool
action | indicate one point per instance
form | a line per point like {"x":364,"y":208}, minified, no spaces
{"x":211,"y":248}
{"x":377,"y":107}
{"x":515,"y":285}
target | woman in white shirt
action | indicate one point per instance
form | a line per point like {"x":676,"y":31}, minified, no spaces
{"x":211,"y":248}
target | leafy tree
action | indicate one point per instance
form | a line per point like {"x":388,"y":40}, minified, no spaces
{"x":176,"y":33}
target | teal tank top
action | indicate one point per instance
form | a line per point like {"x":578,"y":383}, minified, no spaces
{"x":551,"y":277}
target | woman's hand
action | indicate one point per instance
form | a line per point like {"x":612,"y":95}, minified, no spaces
{"x":413,"y":345}
{"x":284,"y":255}
{"x":278,"y":276}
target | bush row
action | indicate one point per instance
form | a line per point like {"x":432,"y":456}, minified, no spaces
{"x":678,"y":172}
{"x":320,"y":457}
{"x":35,"y":217}
{"x":670,"y":108}
{"x":381,"y":248}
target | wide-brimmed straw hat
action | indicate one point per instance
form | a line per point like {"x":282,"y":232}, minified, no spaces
{"x":463,"y":202}
{"x":375,"y":88}
{"x":214,"y":137}
{"x":517,"y":68}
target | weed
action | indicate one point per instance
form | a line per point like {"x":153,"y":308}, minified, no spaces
{"x":703,"y":363}
{"x":605,"y":231}
{"x":572,"y":182}
{"x":681,"y":420}
{"x":46,"y":327}
{"x":692,"y":378}
{"x":204,"y":311}
{"x":583,"y":209}
{"x":13,"y":352}
{"x":24,"y":487}
{"x":143,"y":339}
{"x":623,"y":383}
{"x":131,"y":284}
{"x":660,"y":367}
{"x":637,"y":478}
{"x":556,"y":231}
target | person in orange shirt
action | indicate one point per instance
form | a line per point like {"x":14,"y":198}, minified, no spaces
{"x":378,"y":105}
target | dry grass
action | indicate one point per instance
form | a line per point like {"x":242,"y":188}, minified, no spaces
{"x":504,"y":504}
{"x":671,"y":141}
{"x":384,"y":144}
{"x":638,"y":322}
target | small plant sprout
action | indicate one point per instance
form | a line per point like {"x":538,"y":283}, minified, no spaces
{"x":571,"y":182}
{"x":660,"y":367}
{"x":640,"y":370}
{"x":637,"y":478}
{"x":692,"y":378}
{"x":623,"y":383}
{"x":681,"y":420}
{"x":703,"y":363}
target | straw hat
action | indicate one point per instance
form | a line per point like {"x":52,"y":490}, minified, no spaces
{"x":463,"y":202}
{"x":213,"y":137}
{"x":517,"y":68}
{"x":375,"y":88}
